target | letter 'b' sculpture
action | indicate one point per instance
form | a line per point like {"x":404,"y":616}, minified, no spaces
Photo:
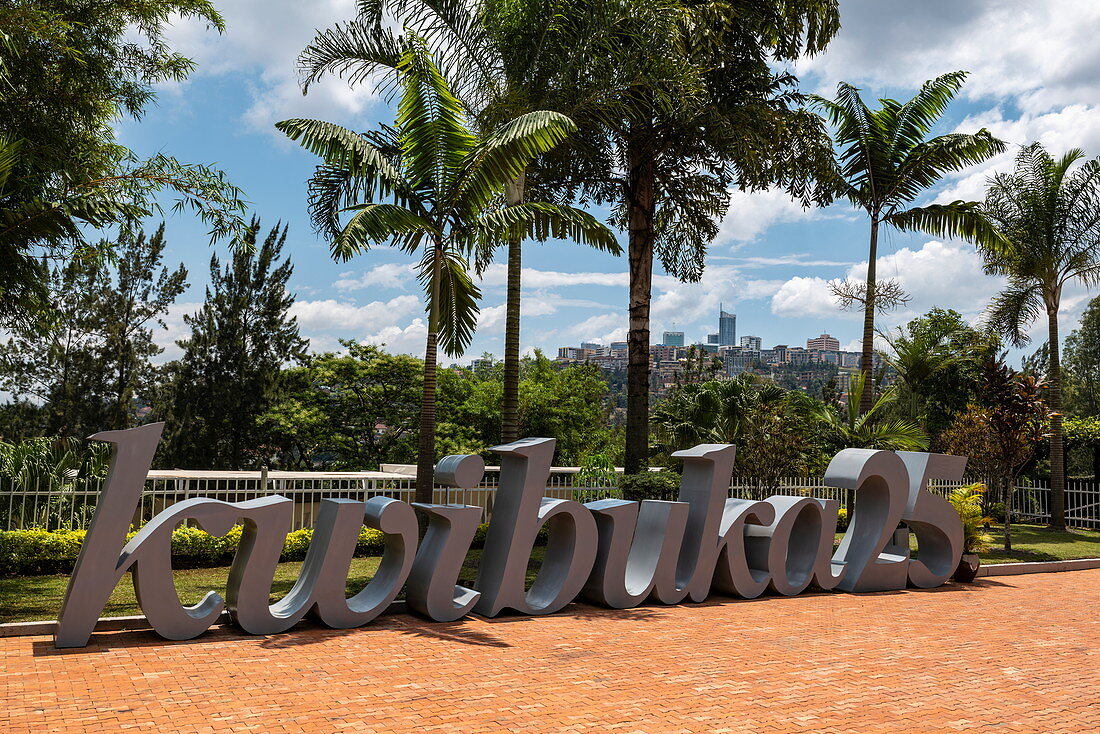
{"x":616,"y":553}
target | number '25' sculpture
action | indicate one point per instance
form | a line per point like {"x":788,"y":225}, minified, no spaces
{"x":616,"y":553}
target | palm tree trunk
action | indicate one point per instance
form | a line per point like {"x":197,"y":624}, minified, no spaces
{"x":425,"y":457}
{"x":509,"y":409}
{"x":1057,"y":439}
{"x":640,"y":194}
{"x":1009,"y":490}
{"x":866,"y":362}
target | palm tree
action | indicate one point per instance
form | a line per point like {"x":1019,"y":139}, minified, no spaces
{"x":716,"y":411}
{"x":691,"y":105}
{"x":1047,"y":215}
{"x":432,"y":188}
{"x":884,"y":161}
{"x":475,"y":53}
{"x":868,"y":429}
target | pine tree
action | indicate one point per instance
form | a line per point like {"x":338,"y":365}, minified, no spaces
{"x":230,"y":371}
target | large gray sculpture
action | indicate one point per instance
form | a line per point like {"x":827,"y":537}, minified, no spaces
{"x":615,"y":552}
{"x":433,"y":589}
{"x":932,"y":518}
{"x":518,"y":512}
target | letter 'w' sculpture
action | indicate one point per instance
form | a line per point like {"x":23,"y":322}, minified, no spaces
{"x":613,"y":552}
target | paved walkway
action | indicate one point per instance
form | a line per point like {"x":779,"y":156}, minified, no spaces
{"x":1016,"y":654}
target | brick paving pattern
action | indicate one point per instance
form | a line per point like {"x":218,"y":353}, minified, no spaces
{"x":1014,"y":654}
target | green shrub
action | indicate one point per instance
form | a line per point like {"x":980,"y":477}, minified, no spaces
{"x":34,"y":552}
{"x":842,"y":520}
{"x":996,"y":511}
{"x":650,"y":485}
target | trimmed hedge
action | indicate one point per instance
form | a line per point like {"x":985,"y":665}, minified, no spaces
{"x":650,"y":485}
{"x":35,"y":552}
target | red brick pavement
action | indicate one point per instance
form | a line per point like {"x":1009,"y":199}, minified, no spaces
{"x":1016,"y":654}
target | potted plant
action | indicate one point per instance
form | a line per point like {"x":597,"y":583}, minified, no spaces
{"x":967,"y":501}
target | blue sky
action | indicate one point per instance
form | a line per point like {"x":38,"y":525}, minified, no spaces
{"x":1033,"y":77}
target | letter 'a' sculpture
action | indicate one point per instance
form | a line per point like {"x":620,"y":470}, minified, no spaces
{"x":614,"y":552}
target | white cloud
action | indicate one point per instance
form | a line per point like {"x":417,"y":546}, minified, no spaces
{"x":1044,"y":54}
{"x":401,"y":339}
{"x":603,"y":328}
{"x":1075,"y":126}
{"x":806,"y":297}
{"x":262,"y":40}
{"x":387,"y":275}
{"x":752,"y":213}
{"x":349,"y":318}
{"x":938,"y":274}
{"x":496,"y":275}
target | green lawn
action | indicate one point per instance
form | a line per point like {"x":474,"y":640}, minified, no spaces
{"x":30,"y":598}
{"x":1039,"y":543}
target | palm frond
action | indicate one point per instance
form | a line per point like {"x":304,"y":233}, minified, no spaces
{"x":377,"y":223}
{"x":355,"y":51}
{"x":964,"y":219}
{"x":505,"y":153}
{"x":1014,"y":308}
{"x":540,"y":221}
{"x":434,"y":138}
{"x":455,"y":297}
{"x":346,"y":149}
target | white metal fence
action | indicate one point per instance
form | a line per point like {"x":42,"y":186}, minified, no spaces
{"x":70,"y":505}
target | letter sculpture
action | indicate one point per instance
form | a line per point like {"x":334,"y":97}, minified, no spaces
{"x":617,"y":553}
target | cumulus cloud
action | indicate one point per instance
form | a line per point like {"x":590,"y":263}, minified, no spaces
{"x":496,"y":275}
{"x":1043,"y":54}
{"x":401,"y":339}
{"x":386,"y":275}
{"x":262,"y":40}
{"x":943,"y":274}
{"x":752,"y":213}
{"x":1074,"y":126}
{"x":806,"y":297}
{"x":351,"y":319}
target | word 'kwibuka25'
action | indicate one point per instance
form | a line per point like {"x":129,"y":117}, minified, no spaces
{"x":613,"y":552}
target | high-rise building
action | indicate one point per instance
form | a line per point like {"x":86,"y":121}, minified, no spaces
{"x":727,"y":328}
{"x":824,"y":343}
{"x":673,"y":339}
{"x":594,"y":346}
{"x":754,"y":343}
{"x":713,"y":339}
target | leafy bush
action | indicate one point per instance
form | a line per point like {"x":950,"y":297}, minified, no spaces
{"x":842,"y":520}
{"x":967,"y":501}
{"x":32,"y":552}
{"x":996,"y":511}
{"x":658,"y":485}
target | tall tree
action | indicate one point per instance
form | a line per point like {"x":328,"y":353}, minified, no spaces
{"x":1083,"y":363}
{"x":495,"y":56}
{"x":871,"y":429}
{"x":229,"y":373}
{"x":68,"y":70}
{"x":1001,"y":431}
{"x":92,"y":366}
{"x":434,"y":188}
{"x":689,"y":104}
{"x":1047,"y":215}
{"x":350,"y":410}
{"x":938,"y":357}
{"x":885,"y":160}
